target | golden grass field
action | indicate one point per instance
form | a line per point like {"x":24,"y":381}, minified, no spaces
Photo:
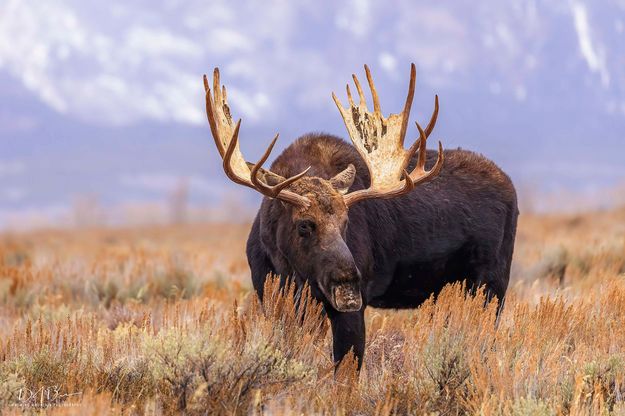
{"x":157,"y":320}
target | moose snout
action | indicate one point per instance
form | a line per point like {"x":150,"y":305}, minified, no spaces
{"x":346,"y":274}
{"x":341,"y":284}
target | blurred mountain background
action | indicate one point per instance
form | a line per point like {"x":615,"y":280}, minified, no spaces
{"x":102,"y":106}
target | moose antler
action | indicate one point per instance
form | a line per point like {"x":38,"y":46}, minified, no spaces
{"x":380,"y":142}
{"x":226,"y":135}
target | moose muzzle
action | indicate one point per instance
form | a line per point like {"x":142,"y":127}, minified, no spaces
{"x":341,"y":278}
{"x":346,"y":297}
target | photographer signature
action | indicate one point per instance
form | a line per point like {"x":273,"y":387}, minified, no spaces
{"x":45,"y":396}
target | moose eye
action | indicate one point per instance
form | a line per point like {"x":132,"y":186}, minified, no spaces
{"x":305,"y":228}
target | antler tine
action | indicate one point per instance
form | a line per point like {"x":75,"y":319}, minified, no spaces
{"x":254,"y":172}
{"x":422,"y":151}
{"x":419,"y":174}
{"x":264,"y":188}
{"x":420,"y":145}
{"x":284,"y":184}
{"x":210,"y":114}
{"x":227,"y":158}
{"x":374,"y":93}
{"x":338,"y":103}
{"x":349,"y":96}
{"x":432,"y":123}
{"x":408,"y":104}
{"x":428,"y":130}
{"x":361,"y":94}
{"x":435,"y":169}
{"x":411,"y":151}
{"x":216,"y":85}
{"x":408,"y":183}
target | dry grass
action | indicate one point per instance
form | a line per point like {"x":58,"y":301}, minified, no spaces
{"x":161,"y":320}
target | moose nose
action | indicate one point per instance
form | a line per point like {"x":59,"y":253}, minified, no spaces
{"x":346,"y":296}
{"x":346,"y":273}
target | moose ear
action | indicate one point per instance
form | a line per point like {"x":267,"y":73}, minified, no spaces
{"x":343,"y":180}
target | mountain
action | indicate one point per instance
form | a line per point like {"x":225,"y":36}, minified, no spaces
{"x":106,"y":99}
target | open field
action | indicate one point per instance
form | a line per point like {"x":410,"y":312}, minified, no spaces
{"x":155,"y":320}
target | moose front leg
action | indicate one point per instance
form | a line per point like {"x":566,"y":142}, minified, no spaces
{"x":348,"y":333}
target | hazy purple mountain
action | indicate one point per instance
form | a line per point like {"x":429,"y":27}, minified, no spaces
{"x":106,"y":99}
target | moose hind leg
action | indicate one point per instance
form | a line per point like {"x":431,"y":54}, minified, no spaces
{"x":493,"y":279}
{"x":493,"y":271}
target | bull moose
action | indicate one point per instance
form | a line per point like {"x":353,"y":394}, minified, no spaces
{"x":371,"y":224}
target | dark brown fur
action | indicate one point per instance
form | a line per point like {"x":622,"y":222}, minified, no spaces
{"x":460,"y":226}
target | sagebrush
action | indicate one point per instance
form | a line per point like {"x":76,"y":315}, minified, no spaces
{"x":163,"y":320}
